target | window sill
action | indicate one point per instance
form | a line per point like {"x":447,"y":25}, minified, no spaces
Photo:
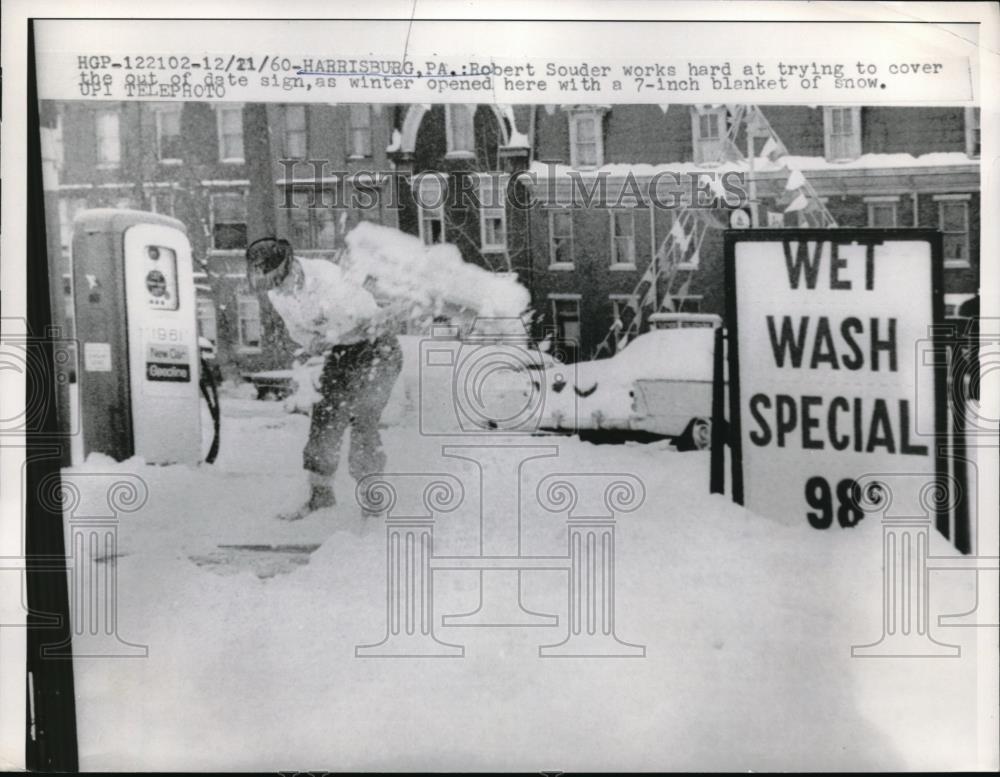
{"x":460,"y":155}
{"x":688,"y":265}
{"x":233,"y":161}
{"x":494,"y":249}
{"x":562,"y":266}
{"x":358,"y":157}
{"x":623,"y":267}
{"x":248,"y":350}
{"x":957,"y":265}
{"x":108,"y":165}
{"x":171,"y":162}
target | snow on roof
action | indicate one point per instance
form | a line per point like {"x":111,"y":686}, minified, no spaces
{"x":517,"y":139}
{"x":667,"y":354}
{"x":935,"y":159}
{"x":762,"y":165}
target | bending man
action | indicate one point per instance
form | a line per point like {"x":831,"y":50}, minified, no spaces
{"x":327,"y":315}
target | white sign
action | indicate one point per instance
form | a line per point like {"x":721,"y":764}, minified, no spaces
{"x":829,"y":389}
{"x":97,"y":357}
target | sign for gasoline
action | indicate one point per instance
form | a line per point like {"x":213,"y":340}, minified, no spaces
{"x":826,"y":386}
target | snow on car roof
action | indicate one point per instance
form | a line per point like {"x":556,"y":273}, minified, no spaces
{"x":673,"y":354}
{"x":661,"y":354}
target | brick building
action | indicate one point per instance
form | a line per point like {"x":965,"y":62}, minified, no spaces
{"x":870,"y":167}
{"x":217,"y":168}
{"x":233,"y":173}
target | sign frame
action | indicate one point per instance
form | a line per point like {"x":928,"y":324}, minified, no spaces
{"x":843,"y":234}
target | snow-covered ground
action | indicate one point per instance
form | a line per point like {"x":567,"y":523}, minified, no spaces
{"x":748,"y":627}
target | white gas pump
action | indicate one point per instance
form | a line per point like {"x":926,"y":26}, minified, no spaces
{"x":138,"y":370}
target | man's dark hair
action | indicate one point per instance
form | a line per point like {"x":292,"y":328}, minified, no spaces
{"x":268,"y":253}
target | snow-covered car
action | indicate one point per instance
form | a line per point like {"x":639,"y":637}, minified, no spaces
{"x":659,"y":384}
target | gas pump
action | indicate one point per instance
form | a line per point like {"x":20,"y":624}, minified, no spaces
{"x":135,"y":322}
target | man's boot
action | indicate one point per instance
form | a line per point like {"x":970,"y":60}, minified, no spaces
{"x":320,"y":497}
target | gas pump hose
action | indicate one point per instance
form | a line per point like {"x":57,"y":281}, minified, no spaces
{"x":210,"y":390}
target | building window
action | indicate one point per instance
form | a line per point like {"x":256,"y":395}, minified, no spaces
{"x":248,"y":328}
{"x":492,"y":214}
{"x":205,"y":314}
{"x":586,"y":143}
{"x":372,"y":214}
{"x":882,"y":212}
{"x":623,"y":238}
{"x":68,"y":208}
{"x":953,"y":303}
{"x":953,"y":221}
{"x":229,"y":221}
{"x":459,"y":129}
{"x":972,"y":134}
{"x":431,"y":197}
{"x":686,"y":303}
{"x":295,"y":132}
{"x":842,"y":133}
{"x":708,"y":128}
{"x":561,"y":239}
{"x":360,"y":130}
{"x":493,"y":226}
{"x":168,"y":134}
{"x":566,"y":317}
{"x":109,"y":152}
{"x":311,"y":228}
{"x":230,"y":122}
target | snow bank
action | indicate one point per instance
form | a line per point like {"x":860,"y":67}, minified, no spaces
{"x":747,"y":625}
{"x":402,"y":268}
